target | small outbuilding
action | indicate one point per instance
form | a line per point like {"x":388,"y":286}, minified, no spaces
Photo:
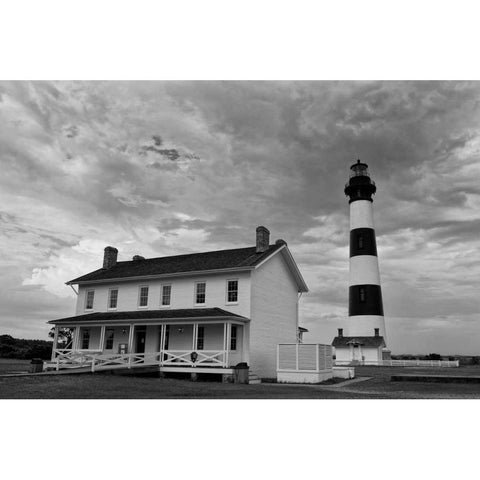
{"x":358,"y":350}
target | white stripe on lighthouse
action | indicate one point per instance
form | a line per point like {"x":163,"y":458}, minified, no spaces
{"x":364,"y":270}
{"x":361,"y":214}
{"x":365,"y":325}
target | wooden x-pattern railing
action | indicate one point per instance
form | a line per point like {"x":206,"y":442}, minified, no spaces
{"x":203,"y":357}
{"x":96,"y":360}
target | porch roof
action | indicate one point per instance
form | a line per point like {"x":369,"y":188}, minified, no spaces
{"x":199,"y":314}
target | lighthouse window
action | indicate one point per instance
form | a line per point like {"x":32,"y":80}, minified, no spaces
{"x":362,"y":294}
{"x":360,"y":242}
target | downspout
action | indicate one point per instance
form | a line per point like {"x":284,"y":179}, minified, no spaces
{"x":298,"y":308}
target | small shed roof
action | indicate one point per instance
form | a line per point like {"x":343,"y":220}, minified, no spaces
{"x":374,"y":341}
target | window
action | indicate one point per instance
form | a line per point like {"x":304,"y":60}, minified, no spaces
{"x":167,"y":336}
{"x":362,"y":294}
{"x":360,"y":242}
{"x":113,"y":298}
{"x":200,"y":338}
{"x":109,"y":339}
{"x":89,"y":299}
{"x":85,"y":339}
{"x":377,"y":332}
{"x":200,"y":290}
{"x":143,"y":297}
{"x":166,"y":295}
{"x":233,"y":338}
{"x":232,"y":291}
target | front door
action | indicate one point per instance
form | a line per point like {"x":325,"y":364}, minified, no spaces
{"x":356,"y":353}
{"x":140,"y":335}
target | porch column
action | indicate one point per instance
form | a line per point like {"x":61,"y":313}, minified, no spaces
{"x":130,"y":338}
{"x":195,"y":336}
{"x":76,"y":338}
{"x":102,"y":337}
{"x":229,"y":335}
{"x":55,"y":341}
{"x":225,"y":344}
{"x":162,"y":342}
{"x":246,"y":344}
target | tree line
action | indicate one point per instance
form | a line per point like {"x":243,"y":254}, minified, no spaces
{"x":24,"y":349}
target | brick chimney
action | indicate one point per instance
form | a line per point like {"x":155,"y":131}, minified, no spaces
{"x":110,"y":257}
{"x":263,"y":239}
{"x":340,"y":332}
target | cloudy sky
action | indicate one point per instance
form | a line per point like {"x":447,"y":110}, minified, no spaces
{"x":162,"y":168}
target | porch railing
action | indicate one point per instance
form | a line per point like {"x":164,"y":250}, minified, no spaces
{"x":98,"y":360}
{"x":216,"y":358}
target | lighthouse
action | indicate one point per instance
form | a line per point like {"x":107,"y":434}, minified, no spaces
{"x":362,"y":336}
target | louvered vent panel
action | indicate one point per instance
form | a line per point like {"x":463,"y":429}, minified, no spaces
{"x":328,"y":357}
{"x":287,"y":360}
{"x":307,"y":359}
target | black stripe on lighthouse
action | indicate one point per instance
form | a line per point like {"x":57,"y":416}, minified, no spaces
{"x":362,"y":242}
{"x":365,"y":300}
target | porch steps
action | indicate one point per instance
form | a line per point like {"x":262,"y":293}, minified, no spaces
{"x":253,"y":379}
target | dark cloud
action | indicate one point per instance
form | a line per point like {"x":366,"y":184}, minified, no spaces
{"x":170,"y":167}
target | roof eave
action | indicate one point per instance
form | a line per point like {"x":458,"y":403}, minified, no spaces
{"x":153,"y":319}
{"x":159,"y":276}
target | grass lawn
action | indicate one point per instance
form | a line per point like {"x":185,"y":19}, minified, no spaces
{"x":12,"y":365}
{"x":106,"y":385}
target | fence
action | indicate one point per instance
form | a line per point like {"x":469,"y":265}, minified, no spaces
{"x":406,"y":363}
{"x":304,"y":357}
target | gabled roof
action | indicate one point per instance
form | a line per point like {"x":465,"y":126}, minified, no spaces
{"x":363,"y":341}
{"x":174,"y":314}
{"x":220,"y":260}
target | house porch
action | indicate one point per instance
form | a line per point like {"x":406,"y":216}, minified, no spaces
{"x":213,"y":346}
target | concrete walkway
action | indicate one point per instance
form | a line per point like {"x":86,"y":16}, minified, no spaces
{"x":329,"y":385}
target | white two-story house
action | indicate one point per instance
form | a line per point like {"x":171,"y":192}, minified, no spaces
{"x":201,"y":312}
